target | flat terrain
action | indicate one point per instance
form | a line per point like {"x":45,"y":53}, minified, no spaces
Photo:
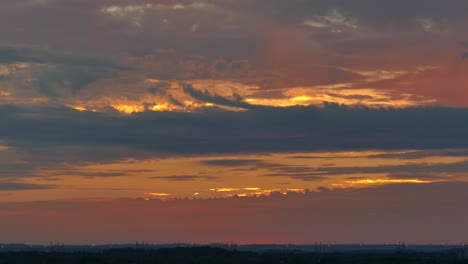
{"x":207,"y":255}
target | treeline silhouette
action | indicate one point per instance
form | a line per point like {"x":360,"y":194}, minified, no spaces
{"x":211,"y":255}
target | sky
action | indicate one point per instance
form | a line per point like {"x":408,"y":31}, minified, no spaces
{"x":254,"y":121}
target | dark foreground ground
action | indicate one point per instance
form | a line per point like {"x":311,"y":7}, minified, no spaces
{"x":207,"y":255}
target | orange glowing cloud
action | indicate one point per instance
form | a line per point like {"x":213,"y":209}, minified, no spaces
{"x":354,"y":183}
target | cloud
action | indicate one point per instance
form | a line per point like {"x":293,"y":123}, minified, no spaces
{"x":290,"y":129}
{"x":55,"y":73}
{"x":420,"y":176}
{"x":19,"y":186}
{"x":297,"y":176}
{"x":418,"y":154}
{"x":9,"y":54}
{"x":161,"y":89}
{"x":304,"y":173}
{"x":28,"y":159}
{"x":92,"y":174}
{"x":11,"y":169}
{"x":217,"y":99}
{"x":367,"y":10}
{"x":179,"y":178}
{"x":455,"y":167}
{"x":425,"y":170}
{"x":333,"y":20}
{"x":52,"y":82}
{"x":414,"y":170}
{"x":134,"y":13}
{"x":231,"y":162}
{"x":257,"y":42}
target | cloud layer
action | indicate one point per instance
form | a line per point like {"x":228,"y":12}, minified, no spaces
{"x":265,"y":129}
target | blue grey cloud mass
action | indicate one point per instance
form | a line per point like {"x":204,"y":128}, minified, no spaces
{"x":19,"y":186}
{"x":268,"y":129}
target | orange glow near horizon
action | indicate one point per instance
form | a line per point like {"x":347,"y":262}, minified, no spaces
{"x":188,"y":176}
{"x":382,"y":181}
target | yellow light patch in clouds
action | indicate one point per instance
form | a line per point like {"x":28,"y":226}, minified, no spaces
{"x":251,"y":188}
{"x":160,"y":108}
{"x":301,"y":98}
{"x":158,"y":194}
{"x":253,"y":191}
{"x":129,"y":109}
{"x":79,"y":108}
{"x":224,"y":189}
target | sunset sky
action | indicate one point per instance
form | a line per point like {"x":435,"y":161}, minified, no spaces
{"x":255,"y":121}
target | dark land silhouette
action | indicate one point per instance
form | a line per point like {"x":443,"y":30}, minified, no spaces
{"x":207,"y":255}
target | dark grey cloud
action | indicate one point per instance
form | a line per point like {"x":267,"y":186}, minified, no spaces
{"x":412,"y":170}
{"x":303,"y":173}
{"x":184,"y":178}
{"x":354,"y":96}
{"x":88,"y":136}
{"x":420,"y":176}
{"x":18,"y":186}
{"x":205,"y":96}
{"x":37,"y":158}
{"x":422,"y":154}
{"x":159,"y":88}
{"x":50,"y":179}
{"x":316,"y":173}
{"x":397,"y":11}
{"x":10,"y":54}
{"x":23,"y":169}
{"x":231,"y":162}
{"x":262,"y":130}
{"x":138,"y":171}
{"x":52,"y":81}
{"x":318,"y":156}
{"x":297,"y":176}
{"x":92,"y":174}
{"x":104,"y":189}
{"x":174,"y":101}
{"x":62,"y":71}
{"x":32,"y":166}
